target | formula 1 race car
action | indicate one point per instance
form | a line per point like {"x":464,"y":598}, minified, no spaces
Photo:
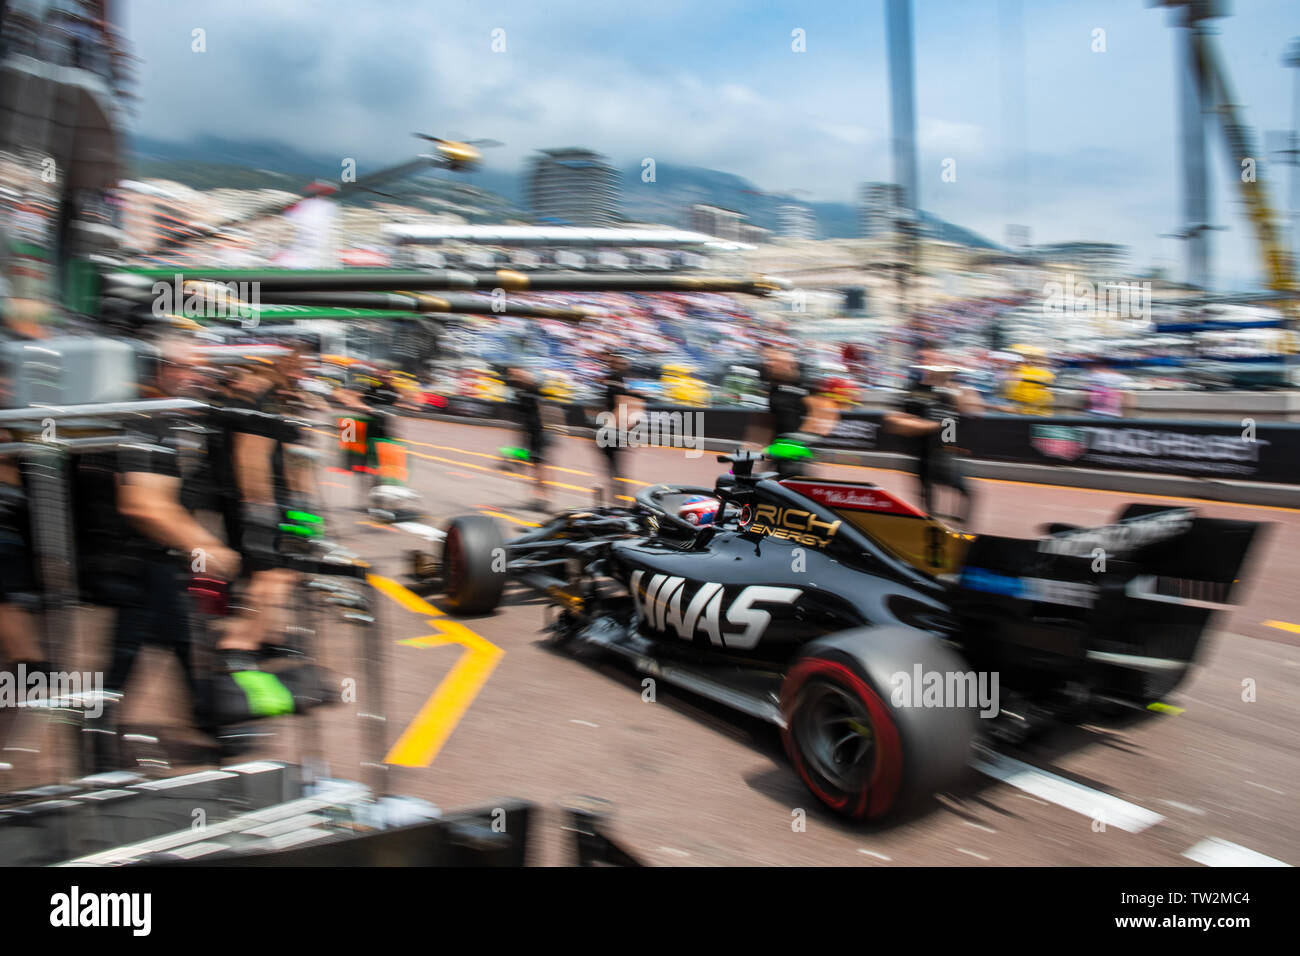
{"x":876,"y":638}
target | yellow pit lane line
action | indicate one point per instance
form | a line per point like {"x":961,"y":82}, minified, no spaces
{"x":463,"y":451}
{"x":1283,"y":626}
{"x":375,"y":524}
{"x":420,"y":742}
{"x":498,"y":472}
{"x":483,"y":454}
{"x":406,"y":598}
{"x":502,"y":514}
{"x":899,"y":471}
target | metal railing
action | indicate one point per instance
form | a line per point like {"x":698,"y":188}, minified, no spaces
{"x":47,"y":470}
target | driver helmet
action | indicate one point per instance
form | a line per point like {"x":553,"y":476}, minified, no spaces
{"x":699,"y":509}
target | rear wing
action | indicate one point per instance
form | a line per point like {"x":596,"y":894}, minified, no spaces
{"x":1194,"y":556}
{"x":1135,"y":595}
{"x":1204,"y":561}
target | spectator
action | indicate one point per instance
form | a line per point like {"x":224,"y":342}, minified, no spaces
{"x":1107,"y":393}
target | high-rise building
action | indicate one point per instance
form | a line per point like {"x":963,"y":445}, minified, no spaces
{"x":1018,"y":238}
{"x":880,"y":206}
{"x":1094,"y":260}
{"x":715,"y":221}
{"x":796,"y":222}
{"x":157,"y":211}
{"x":65,"y":80}
{"x":573,"y":186}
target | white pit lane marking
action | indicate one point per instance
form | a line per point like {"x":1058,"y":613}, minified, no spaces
{"x":1216,"y":852}
{"x":1252,"y":783}
{"x":1186,"y":808}
{"x":878,"y":856}
{"x":1041,"y":803}
{"x":423,"y":530}
{"x":1066,"y":793}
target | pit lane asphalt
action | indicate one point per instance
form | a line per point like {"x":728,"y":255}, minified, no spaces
{"x":693,"y":784}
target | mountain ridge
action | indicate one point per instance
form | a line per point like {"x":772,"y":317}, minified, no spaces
{"x":666,"y":199}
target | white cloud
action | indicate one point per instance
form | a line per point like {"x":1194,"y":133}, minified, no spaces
{"x":949,"y":136}
{"x":846,"y":133}
{"x":717,"y":86}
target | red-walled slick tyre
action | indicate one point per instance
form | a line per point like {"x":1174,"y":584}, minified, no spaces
{"x":860,"y":753}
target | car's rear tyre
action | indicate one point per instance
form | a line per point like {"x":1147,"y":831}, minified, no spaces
{"x":862,"y":755}
{"x":473,"y":564}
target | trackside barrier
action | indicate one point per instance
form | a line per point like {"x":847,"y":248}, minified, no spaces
{"x":1243,"y":451}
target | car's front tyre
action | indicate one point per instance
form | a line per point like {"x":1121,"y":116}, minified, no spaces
{"x":473,"y":564}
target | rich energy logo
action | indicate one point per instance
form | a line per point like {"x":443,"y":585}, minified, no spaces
{"x":659,"y":604}
{"x":793,"y":524}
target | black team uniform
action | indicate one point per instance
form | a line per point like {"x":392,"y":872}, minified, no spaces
{"x":786,"y":403}
{"x":253,"y":536}
{"x":615,"y":391}
{"x":382,"y":399}
{"x":16,"y":572}
{"x":18,"y":576}
{"x":527,"y":402}
{"x":935,"y":463}
{"x":122,"y":569}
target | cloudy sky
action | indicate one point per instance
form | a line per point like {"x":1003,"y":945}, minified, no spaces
{"x":717,"y":84}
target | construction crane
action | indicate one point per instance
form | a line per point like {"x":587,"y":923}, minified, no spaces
{"x":1279,"y":268}
{"x":1214,"y":92}
{"x":1217,"y":97}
